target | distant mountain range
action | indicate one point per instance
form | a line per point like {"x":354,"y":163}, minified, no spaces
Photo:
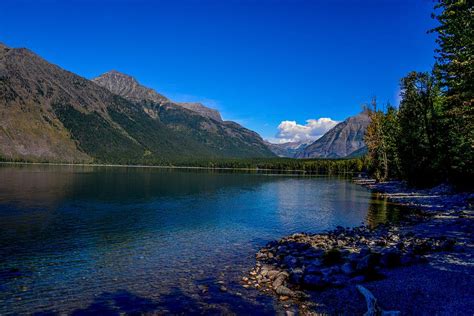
{"x":50,"y":114}
{"x":288,"y":149}
{"x":345,"y":140}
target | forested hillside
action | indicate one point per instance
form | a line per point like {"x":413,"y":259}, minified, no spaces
{"x":49,"y":114}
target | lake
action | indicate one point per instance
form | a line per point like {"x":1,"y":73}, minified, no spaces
{"x":110,"y":240}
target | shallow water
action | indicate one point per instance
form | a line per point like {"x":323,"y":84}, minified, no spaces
{"x":109,"y":240}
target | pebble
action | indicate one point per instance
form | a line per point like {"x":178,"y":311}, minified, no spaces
{"x":337,"y":258}
{"x":347,"y":256}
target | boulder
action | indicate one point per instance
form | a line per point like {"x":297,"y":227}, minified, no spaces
{"x":390,"y":259}
{"x":347,"y":268}
{"x":272,"y":274}
{"x":358,"y":279}
{"x":314,"y":282}
{"x":332,"y":257}
{"x":280,"y":279}
{"x":368,"y":263}
{"x":283,"y":290}
{"x":290,"y":262}
{"x":312,"y":269}
{"x":296,"y":276}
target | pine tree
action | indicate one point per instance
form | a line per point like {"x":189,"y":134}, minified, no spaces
{"x":391,"y":128}
{"x":419,"y":139}
{"x":455,"y":70}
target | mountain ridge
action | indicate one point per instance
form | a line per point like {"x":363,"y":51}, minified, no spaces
{"x":128,"y":87}
{"x":341,"y":141}
{"x":288,"y":149}
{"x":50,"y":114}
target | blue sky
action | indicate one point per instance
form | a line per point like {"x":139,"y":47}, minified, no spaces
{"x":258,"y":62}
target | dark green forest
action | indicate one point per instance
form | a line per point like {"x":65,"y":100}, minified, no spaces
{"x":429,"y":139}
{"x":312,"y":166}
{"x":309,"y":166}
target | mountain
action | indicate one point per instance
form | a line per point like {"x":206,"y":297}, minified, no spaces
{"x":358,"y":153}
{"x":202,"y":110}
{"x":128,"y":87}
{"x":50,"y":114}
{"x":288,"y":149}
{"x":341,"y":141}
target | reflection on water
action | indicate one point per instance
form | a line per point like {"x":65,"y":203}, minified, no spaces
{"x":382,"y":211}
{"x":102,"y":239}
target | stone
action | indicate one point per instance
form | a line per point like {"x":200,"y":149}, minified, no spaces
{"x":358,"y":279}
{"x":390,"y":259}
{"x":283,"y":290}
{"x":260,"y":255}
{"x":459,"y":248}
{"x":327,"y":272}
{"x":296,"y":276}
{"x":312,"y":281}
{"x":312,"y":269}
{"x":203,"y":288}
{"x":364,"y":251}
{"x":282,"y":249}
{"x":406,"y":260}
{"x":367,"y":263}
{"x":339,"y":280}
{"x":312,"y":253}
{"x":422,"y":248}
{"x":332,"y":257}
{"x":290,"y":262}
{"x":347,"y":269}
{"x":353,"y":257}
{"x":272,"y":274}
{"x":279,"y":280}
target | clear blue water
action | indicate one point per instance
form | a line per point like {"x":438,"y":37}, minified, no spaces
{"x":109,"y":240}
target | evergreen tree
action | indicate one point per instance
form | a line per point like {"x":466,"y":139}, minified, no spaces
{"x":455,"y":70}
{"x":419,"y":146}
{"x":391,"y":128}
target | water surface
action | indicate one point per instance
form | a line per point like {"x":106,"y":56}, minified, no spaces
{"x":110,"y":240}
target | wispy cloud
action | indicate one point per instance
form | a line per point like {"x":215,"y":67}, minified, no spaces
{"x":290,"y":131}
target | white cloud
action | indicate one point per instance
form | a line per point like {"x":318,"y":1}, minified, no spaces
{"x":290,"y":131}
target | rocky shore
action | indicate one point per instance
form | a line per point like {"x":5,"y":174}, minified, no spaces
{"x":319,"y":273}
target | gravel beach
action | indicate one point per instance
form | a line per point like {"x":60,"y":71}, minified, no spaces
{"x":422,"y":265}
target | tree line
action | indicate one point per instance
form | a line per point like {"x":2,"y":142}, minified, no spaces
{"x":429,"y":139}
{"x":311,"y":166}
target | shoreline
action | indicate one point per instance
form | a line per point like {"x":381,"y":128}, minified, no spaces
{"x":295,"y":171}
{"x":423,"y":264}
